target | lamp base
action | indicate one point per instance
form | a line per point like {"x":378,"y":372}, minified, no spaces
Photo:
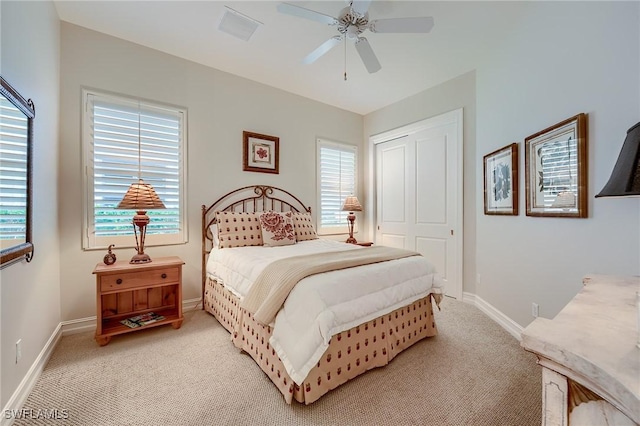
{"x":140,"y":258}
{"x":351,"y":218}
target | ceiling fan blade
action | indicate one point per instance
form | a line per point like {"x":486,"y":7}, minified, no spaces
{"x":402,"y":25}
{"x":360,"y":7}
{"x":322,"y":49}
{"x":366,"y":54}
{"x":301,"y":12}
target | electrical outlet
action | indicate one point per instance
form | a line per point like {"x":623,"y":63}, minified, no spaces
{"x":18,"y":350}
{"x":534,"y":310}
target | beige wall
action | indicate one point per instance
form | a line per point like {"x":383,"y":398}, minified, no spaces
{"x":30,"y":292}
{"x":459,"y":92}
{"x":566,"y":58}
{"x":220,"y":106}
{"x":538,"y":76}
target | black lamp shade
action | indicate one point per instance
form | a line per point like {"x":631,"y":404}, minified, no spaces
{"x":625,"y":178}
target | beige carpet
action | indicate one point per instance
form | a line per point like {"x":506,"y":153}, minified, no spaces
{"x":473,"y":373}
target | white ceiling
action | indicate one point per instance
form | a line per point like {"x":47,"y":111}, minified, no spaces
{"x":411,"y":63}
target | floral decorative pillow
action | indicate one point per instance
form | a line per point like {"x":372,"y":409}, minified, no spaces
{"x":303,"y":227}
{"x":277,"y":229}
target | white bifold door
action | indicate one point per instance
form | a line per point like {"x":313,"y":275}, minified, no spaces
{"x":419,"y":193}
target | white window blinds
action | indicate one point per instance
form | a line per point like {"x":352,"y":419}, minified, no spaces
{"x":336,"y":180}
{"x":127,"y":140}
{"x":13,"y":174}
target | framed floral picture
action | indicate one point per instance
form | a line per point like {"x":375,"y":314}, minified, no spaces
{"x":556,"y":169}
{"x":260,"y":153}
{"x":501,"y":181}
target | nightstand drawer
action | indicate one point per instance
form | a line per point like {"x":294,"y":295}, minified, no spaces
{"x":139,"y":279}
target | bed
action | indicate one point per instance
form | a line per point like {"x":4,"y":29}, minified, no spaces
{"x":312,"y":313}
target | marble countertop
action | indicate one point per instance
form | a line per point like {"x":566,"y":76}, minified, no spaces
{"x":595,"y":336}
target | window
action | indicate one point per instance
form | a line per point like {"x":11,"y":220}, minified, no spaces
{"x":336,"y":180}
{"x":123,"y":140}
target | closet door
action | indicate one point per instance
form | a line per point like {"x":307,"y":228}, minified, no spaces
{"x":419,"y":193}
{"x":395,"y":178}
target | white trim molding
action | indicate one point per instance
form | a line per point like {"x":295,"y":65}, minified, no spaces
{"x":504,"y":321}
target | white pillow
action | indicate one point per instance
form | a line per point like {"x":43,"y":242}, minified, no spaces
{"x":277,"y":229}
{"x":214,"y":232}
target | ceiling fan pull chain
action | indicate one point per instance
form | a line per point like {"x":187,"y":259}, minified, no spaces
{"x":345,"y":59}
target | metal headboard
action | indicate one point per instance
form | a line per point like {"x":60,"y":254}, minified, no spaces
{"x":253,"y":198}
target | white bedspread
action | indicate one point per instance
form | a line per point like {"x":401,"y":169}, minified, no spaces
{"x":323,"y":305}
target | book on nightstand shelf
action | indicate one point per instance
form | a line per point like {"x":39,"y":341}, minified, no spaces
{"x":141,"y":320}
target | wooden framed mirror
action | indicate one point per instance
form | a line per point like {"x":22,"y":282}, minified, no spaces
{"x":16,"y":152}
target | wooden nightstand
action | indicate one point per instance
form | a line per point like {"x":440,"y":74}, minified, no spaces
{"x":124,"y":290}
{"x":365,"y":244}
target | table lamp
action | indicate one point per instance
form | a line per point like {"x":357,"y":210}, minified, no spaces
{"x":351,"y":205}
{"x":140,"y":197}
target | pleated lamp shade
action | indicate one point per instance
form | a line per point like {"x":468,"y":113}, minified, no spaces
{"x":141,"y":196}
{"x":351,"y":204}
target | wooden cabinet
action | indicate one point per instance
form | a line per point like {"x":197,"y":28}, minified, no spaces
{"x":589,"y":355}
{"x":124,"y":290}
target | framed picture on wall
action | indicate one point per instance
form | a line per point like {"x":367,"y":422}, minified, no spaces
{"x":501,"y":181}
{"x":556,"y":169}
{"x":260,"y":153}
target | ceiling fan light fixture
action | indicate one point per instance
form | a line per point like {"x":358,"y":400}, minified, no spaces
{"x":351,"y":23}
{"x":237,"y":24}
{"x":353,"y":32}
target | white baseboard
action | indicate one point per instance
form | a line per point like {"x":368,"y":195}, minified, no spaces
{"x":29,"y":381}
{"x":504,"y":321}
{"x":78,"y":325}
{"x":89,"y":323}
{"x":191,"y":304}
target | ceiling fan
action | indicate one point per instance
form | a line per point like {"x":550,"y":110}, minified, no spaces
{"x":352,"y":21}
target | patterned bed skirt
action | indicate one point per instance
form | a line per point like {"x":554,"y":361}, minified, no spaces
{"x":350,"y":353}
